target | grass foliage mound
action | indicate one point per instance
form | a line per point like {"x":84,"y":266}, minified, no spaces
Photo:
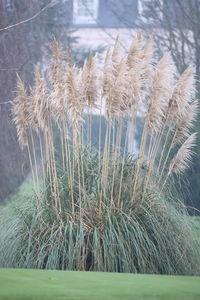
{"x":102,"y":209}
{"x":149,"y":237}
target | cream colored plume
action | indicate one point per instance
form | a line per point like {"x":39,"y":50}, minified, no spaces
{"x":118,"y":92}
{"x":21,"y":112}
{"x":135,"y":51}
{"x":139,"y":63}
{"x":183,"y":94}
{"x":160,"y":92}
{"x":108,"y":77}
{"x":183,"y":157}
{"x":57,"y":78}
{"x":39,"y":101}
{"x":186,"y":122}
{"x":55,"y":71}
{"x":114,"y":82}
{"x":75,"y":104}
{"x":89,"y":82}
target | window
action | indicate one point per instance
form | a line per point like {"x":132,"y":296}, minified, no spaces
{"x":85,"y":11}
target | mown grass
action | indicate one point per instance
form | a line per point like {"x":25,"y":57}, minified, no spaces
{"x":21,"y":284}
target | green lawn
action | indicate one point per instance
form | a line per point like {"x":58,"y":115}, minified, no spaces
{"x":63,"y":285}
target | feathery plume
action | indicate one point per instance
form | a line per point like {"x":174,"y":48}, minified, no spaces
{"x":75,"y":105}
{"x":89,"y":81}
{"x":140,"y":72}
{"x":186,"y":122}
{"x":57,"y":78}
{"x":183,"y":157}
{"x":21,"y":112}
{"x":108,"y":83}
{"x":58,"y":99}
{"x":135,"y":50}
{"x":118,"y":92}
{"x":160,"y":92}
{"x":116,"y":57}
{"x":114,"y":82}
{"x":39,"y":103}
{"x":147,"y":68}
{"x":108,"y":77}
{"x":55,"y":70}
{"x":183,"y":94}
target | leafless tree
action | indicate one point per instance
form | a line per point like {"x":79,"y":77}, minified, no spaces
{"x":175,"y":25}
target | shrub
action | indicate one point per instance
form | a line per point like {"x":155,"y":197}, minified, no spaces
{"x":103,"y":208}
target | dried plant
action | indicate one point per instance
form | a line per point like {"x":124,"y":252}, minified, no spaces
{"x":21,"y":113}
{"x":182,"y":159}
{"x":82,"y":185}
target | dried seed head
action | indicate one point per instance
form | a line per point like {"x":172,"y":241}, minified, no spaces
{"x":182,"y":159}
{"x":186,"y":122}
{"x":160,"y":92}
{"x":21,"y":112}
{"x":135,"y":51}
{"x":89,"y":82}
{"x":75,"y":105}
{"x":183,"y":93}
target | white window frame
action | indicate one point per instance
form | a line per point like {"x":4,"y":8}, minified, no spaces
{"x":85,"y":19}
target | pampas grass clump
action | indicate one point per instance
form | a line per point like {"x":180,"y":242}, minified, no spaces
{"x":101,"y":208}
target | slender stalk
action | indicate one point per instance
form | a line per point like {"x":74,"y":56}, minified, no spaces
{"x":69,"y":167}
{"x":90,"y":127}
{"x":35,"y":161}
{"x":140,"y":157}
{"x":33,"y":175}
{"x":116,"y":152}
{"x":122,"y":170}
{"x":54,"y":173}
{"x":163,"y":149}
{"x":167,"y":156}
{"x":43,"y":164}
{"x":99,"y":146}
{"x":62,"y":139}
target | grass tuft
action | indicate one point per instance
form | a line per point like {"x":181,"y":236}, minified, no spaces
{"x":104,"y":209}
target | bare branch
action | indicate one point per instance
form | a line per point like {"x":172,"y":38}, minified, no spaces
{"x":50,"y":4}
